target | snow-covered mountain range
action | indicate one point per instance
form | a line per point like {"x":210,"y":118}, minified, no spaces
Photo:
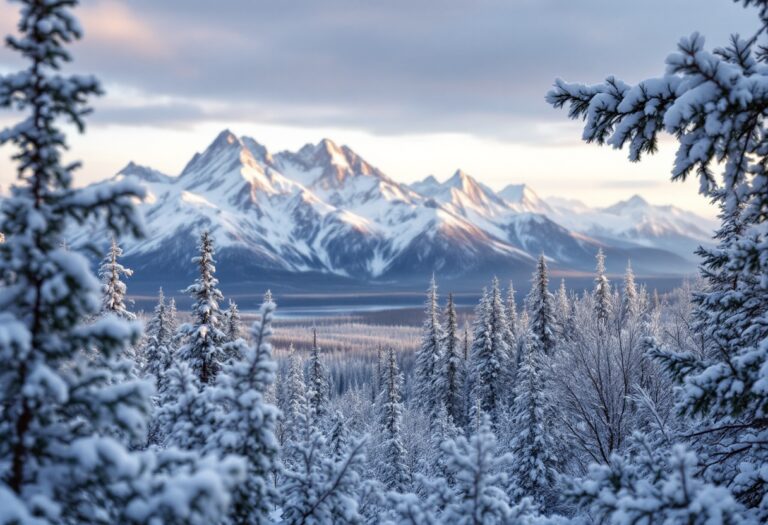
{"x":325,"y":210}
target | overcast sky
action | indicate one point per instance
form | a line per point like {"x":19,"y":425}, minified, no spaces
{"x":416,"y":87}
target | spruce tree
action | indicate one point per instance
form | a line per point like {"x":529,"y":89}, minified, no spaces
{"x":602,"y":291}
{"x":158,"y":352}
{"x":318,"y":389}
{"x":160,"y":326}
{"x":232,"y":323}
{"x":630,"y":297}
{"x":442,"y":429}
{"x":465,"y":344}
{"x":203,"y":350}
{"x":320,"y":487}
{"x":69,"y":415}
{"x":393,"y":470}
{"x":562,"y":308}
{"x":172,"y":321}
{"x":247,"y":426}
{"x":112,"y":287}
{"x":512,"y":310}
{"x":532,"y":443}
{"x":654,"y":485}
{"x":295,"y":397}
{"x":473,"y":490}
{"x":541,"y":305}
{"x":339,"y":437}
{"x":429,"y":357}
{"x":478,"y":494}
{"x":712,"y":102}
{"x":54,"y":400}
{"x":490,"y":367}
{"x":452,"y":373}
{"x":186,"y":416}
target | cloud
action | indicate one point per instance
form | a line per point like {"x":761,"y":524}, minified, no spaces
{"x":112,"y":27}
{"x":395,"y":67}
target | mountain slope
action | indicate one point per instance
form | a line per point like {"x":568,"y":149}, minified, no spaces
{"x":324,"y":210}
{"x":637,"y":222}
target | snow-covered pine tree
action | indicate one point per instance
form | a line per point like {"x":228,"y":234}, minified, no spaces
{"x":472,"y":493}
{"x":562,"y":308}
{"x":318,"y":390}
{"x":465,"y":344}
{"x":630,"y":298}
{"x":713,"y":104}
{"x":172,"y":321}
{"x":392,"y":467}
{"x":186,"y":416}
{"x":429,"y":357}
{"x":512,"y":311}
{"x":541,"y":305}
{"x":203,"y":349}
{"x":159,"y":326}
{"x":339,"y":437}
{"x":602,"y":291}
{"x":533,"y":472}
{"x":654,"y":484}
{"x":452,"y":373}
{"x":158,"y":353}
{"x":490,"y":368}
{"x":321,"y":488}
{"x":64,"y":409}
{"x":232,"y":323}
{"x":112,"y":287}
{"x":294,"y":399}
{"x":442,"y":429}
{"x":478,"y":494}
{"x":247,"y":426}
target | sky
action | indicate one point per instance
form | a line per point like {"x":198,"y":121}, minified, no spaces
{"x":417,"y":87}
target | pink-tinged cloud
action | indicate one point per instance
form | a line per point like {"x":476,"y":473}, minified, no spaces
{"x":113,"y":25}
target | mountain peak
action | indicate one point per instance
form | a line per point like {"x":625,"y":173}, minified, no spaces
{"x":327,"y":144}
{"x":144,"y":173}
{"x":635,"y":202}
{"x":461,"y":179}
{"x":224,"y":138}
{"x":517,"y":192}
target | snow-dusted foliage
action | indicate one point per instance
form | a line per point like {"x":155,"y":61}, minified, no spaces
{"x":713,"y":103}
{"x":511,"y":305}
{"x":246,"y":427}
{"x":602,"y":291}
{"x":489,"y":366}
{"x":473,"y":491}
{"x":231,"y":323}
{"x":112,"y":287}
{"x":630,"y":299}
{"x":393,"y":470}
{"x":654,"y":484}
{"x":322,"y":487}
{"x":541,"y":305}
{"x":66,"y":402}
{"x":451,"y":370}
{"x":532,"y":439}
{"x":186,"y":416}
{"x":294,"y":399}
{"x":598,"y":375}
{"x":562,"y":309}
{"x":204,"y":347}
{"x":158,"y":349}
{"x":318,"y":388}
{"x":429,"y":357}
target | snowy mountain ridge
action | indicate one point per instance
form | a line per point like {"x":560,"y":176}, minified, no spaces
{"x":325,"y":209}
